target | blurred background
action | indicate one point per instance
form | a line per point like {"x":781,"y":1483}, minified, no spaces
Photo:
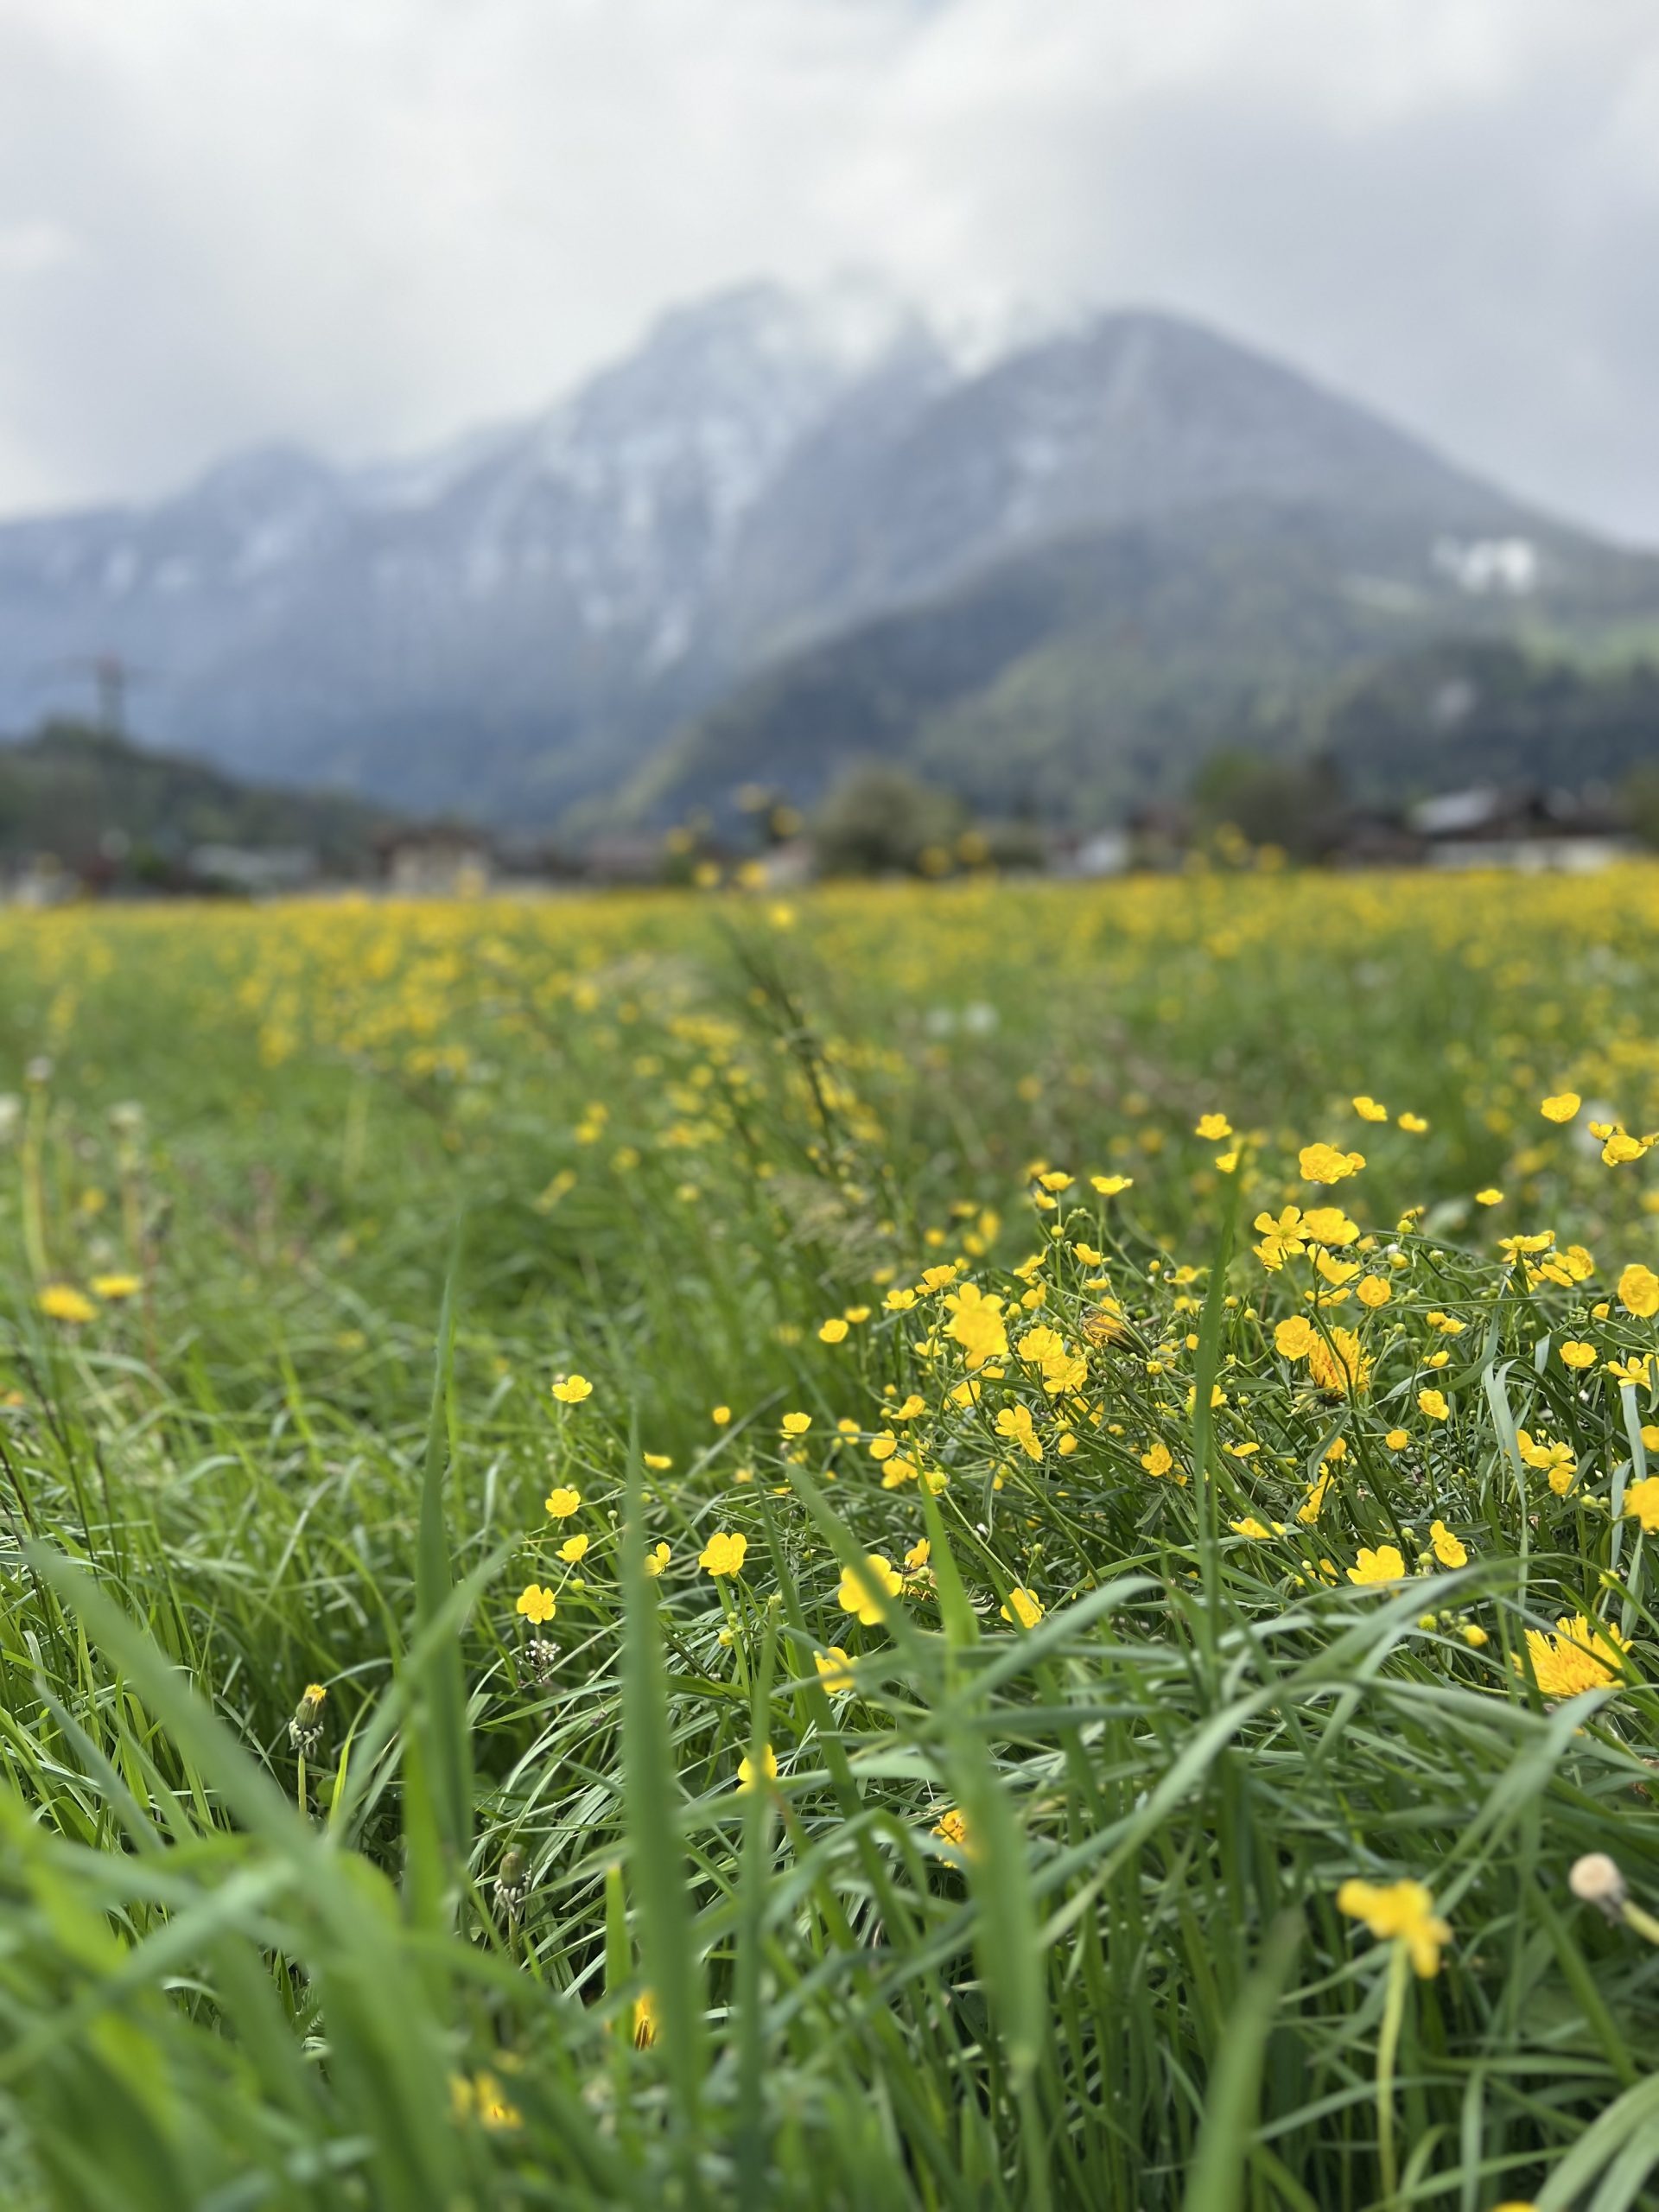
{"x":563,"y":439}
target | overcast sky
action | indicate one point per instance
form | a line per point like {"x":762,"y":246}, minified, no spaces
{"x":366,"y":224}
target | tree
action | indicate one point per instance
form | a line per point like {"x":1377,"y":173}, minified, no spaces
{"x":881,"y":822}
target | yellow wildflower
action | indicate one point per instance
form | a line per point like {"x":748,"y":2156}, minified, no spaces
{"x":1403,"y":1912}
{"x":1382,"y":1565}
{"x":1295,"y":1338}
{"x":1582,"y":1655}
{"x":1323,"y":1163}
{"x":745,"y":1775}
{"x":853,"y":1597}
{"x":535,"y":1604}
{"x":1341,"y":1365}
{"x":723,"y":1554}
{"x":1447,"y":1549}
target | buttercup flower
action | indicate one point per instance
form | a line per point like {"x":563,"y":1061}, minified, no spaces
{"x":1026,"y":1607}
{"x":535,"y":1604}
{"x":573,"y":1389}
{"x":1014,"y":1424}
{"x":1447,"y":1548}
{"x":1323,"y":1163}
{"x":864,"y":1604}
{"x":745,"y":1775}
{"x":723,"y":1555}
{"x":561,"y":1503}
{"x":1638,"y":1291}
{"x":1378,"y":1566}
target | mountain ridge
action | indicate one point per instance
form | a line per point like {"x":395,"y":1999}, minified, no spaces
{"x":534,"y":617}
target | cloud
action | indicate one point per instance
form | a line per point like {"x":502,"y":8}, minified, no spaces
{"x":366,"y":226}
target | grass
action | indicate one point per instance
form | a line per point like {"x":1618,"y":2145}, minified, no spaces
{"x":1041,"y":1907}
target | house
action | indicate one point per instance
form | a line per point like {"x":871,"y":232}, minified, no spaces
{"x":435,"y":860}
{"x":257,"y":872}
{"x":1522,"y":829}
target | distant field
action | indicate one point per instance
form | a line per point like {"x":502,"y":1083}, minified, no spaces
{"x":1121,"y":1395}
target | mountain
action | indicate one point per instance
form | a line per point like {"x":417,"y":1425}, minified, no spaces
{"x":499,"y":624}
{"x":1077,"y":680}
{"x":788,"y":529}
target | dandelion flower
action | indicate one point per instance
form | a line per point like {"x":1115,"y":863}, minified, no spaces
{"x":1340,"y":1365}
{"x":61,"y":1301}
{"x":1582,"y":1655}
{"x":1402,"y":1912}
